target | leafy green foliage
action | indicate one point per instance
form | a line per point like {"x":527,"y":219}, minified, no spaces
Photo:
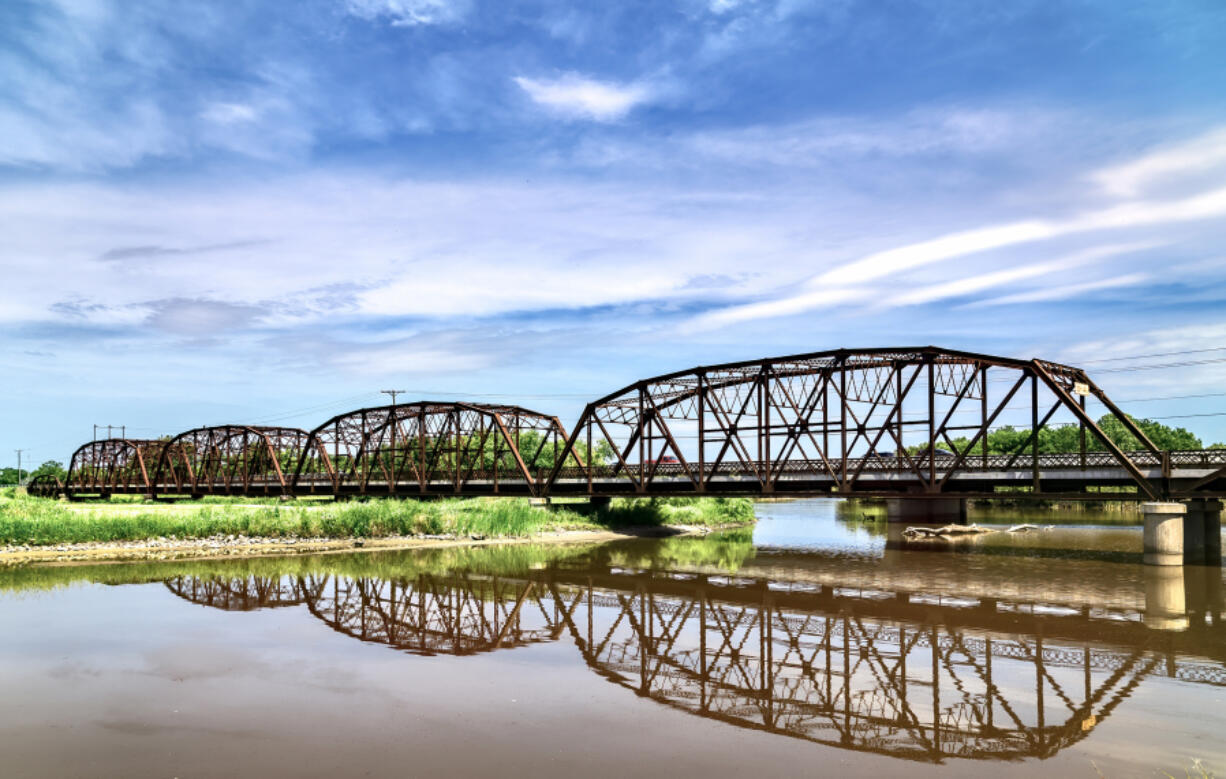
{"x":53,"y":467}
{"x":1066,"y":439}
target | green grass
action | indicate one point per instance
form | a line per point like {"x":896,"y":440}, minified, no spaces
{"x":42,"y":522}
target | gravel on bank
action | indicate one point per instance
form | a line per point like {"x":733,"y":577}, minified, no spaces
{"x":248,"y":546}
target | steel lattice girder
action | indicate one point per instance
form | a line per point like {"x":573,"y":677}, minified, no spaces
{"x":112,"y":465}
{"x":432,"y":447}
{"x":45,"y":485}
{"x":229,"y":459}
{"x":831,"y":413}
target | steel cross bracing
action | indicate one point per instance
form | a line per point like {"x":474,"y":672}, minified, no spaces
{"x":930,"y":688}
{"x":869,"y":422}
{"x":875,"y":422}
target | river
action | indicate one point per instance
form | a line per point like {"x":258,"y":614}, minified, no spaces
{"x":812,"y":645}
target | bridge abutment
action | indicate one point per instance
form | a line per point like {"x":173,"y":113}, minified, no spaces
{"x":1163,"y":535}
{"x":934,"y":511}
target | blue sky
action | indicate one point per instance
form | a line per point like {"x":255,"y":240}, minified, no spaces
{"x":241,"y":211}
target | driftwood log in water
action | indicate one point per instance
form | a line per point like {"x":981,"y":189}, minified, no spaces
{"x":963,"y":531}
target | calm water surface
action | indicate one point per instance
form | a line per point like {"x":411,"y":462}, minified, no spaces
{"x":811,"y":646}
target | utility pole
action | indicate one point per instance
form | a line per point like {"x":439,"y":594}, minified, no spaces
{"x":393,"y":393}
{"x":19,"y":451}
{"x":123,"y":429}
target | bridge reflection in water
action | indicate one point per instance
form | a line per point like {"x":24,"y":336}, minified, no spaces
{"x":917,"y":675}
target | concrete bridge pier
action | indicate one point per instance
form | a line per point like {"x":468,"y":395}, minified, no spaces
{"x":1163,"y":536}
{"x":927,"y":511}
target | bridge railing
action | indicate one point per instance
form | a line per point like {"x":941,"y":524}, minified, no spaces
{"x":1211,"y":458}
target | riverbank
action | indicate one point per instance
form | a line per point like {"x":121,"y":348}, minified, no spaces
{"x":39,"y":530}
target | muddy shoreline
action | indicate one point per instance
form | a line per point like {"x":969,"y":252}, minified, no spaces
{"x":222,"y":547}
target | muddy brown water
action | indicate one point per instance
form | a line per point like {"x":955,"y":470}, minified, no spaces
{"x":809,"y":646}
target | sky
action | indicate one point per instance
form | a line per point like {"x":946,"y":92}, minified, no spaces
{"x":259,"y":212}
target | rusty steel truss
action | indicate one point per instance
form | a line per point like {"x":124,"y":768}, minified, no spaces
{"x":892,"y":422}
{"x":431,"y":448}
{"x":229,"y":460}
{"x":45,"y":485}
{"x":112,"y":465}
{"x":868,"y":421}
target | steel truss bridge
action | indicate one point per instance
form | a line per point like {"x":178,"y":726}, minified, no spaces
{"x":914,"y":675}
{"x":870,"y":422}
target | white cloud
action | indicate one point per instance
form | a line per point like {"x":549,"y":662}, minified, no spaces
{"x":228,"y":113}
{"x":1063,"y":292}
{"x":967,"y":242}
{"x":578,"y":97}
{"x":1198,"y":155}
{"x":399,"y":359}
{"x":775,"y":308}
{"x":409,"y":13}
{"x":303,"y":250}
{"x":970,"y":284}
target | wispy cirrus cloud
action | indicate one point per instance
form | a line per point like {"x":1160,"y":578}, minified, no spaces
{"x":1052,"y":268}
{"x":1063,"y":291}
{"x":1205,"y":154}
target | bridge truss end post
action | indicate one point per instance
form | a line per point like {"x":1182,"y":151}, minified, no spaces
{"x":1163,"y":536}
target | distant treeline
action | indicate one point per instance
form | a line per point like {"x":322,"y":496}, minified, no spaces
{"x":1065,"y":439}
{"x":9,"y":475}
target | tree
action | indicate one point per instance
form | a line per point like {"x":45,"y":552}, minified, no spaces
{"x":51,"y":467}
{"x":1066,"y":439}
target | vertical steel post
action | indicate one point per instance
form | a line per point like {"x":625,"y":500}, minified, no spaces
{"x":702,"y":432}
{"x":983,"y":424}
{"x":1081,"y":425}
{"x":932,"y":425}
{"x":843,"y":419}
{"x":764,"y":424}
{"x":1034,"y":431}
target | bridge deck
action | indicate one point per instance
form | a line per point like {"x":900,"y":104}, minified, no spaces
{"x":1063,"y":476}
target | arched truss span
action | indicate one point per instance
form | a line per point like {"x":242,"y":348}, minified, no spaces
{"x":45,"y":485}
{"x":433,"y":448}
{"x":112,"y":465}
{"x":229,"y":460}
{"x":869,"y":421}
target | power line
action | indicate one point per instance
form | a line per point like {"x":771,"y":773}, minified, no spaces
{"x":1185,"y":364}
{"x":1157,"y":354}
